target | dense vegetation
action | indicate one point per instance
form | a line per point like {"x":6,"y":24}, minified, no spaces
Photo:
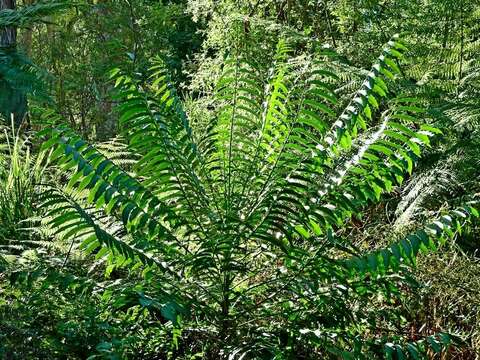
{"x":239,"y":179}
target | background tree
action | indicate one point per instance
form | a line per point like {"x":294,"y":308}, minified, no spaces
{"x":13,"y":100}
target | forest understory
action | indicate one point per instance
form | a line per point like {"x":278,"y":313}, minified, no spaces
{"x":240,"y":179}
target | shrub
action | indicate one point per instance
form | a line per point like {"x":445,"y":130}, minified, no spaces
{"x":240,"y":226}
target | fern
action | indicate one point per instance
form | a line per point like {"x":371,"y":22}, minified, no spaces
{"x":243,"y":218}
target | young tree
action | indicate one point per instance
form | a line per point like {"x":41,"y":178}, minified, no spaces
{"x":240,"y":225}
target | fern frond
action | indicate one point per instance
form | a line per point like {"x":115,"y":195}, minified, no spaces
{"x":110,"y":187}
{"x":405,"y":251}
{"x":70,"y":219}
{"x":436,"y":344}
{"x":159,"y":132}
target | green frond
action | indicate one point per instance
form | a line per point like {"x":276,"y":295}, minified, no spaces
{"x":74,"y":223}
{"x":109,"y":186}
{"x":436,"y":344}
{"x":158,"y":130}
{"x":378,"y":161}
{"x":116,"y":149}
{"x":27,"y":15}
{"x":406,"y":250}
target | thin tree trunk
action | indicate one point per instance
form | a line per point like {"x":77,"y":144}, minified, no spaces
{"x":107,"y":123}
{"x":27,"y":34}
{"x":8,"y":35}
{"x":329,"y":23}
{"x":462,"y":44}
{"x":13,"y":101}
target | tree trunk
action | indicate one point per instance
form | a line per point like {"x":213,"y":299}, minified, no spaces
{"x":27,"y":34}
{"x":106,"y":122}
{"x":8,"y":35}
{"x":13,"y":101}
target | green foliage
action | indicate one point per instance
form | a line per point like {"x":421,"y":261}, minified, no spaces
{"x":241,"y":221}
{"x":90,"y":38}
{"x":49,"y":312}
{"x":19,"y":77}
{"x":254,"y":198}
{"x":20,"y":174}
{"x":406,"y":251}
{"x":28,"y":15}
